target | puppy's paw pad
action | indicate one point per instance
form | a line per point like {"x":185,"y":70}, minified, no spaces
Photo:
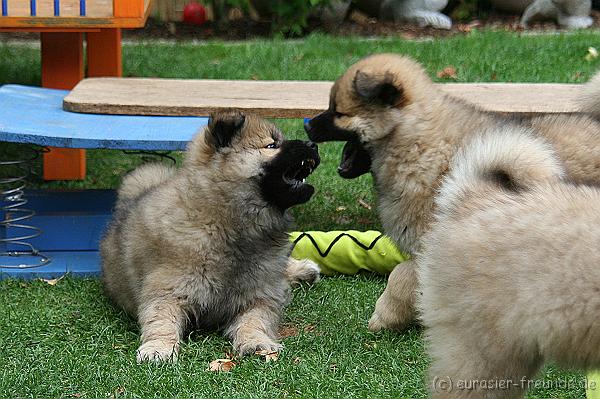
{"x":157,"y":351}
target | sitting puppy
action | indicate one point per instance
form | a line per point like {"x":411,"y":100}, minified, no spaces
{"x":509,"y":271}
{"x":207,"y":245}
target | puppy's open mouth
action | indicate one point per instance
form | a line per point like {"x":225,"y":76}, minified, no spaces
{"x":355,"y":161}
{"x":284,"y":181}
{"x":296,"y":175}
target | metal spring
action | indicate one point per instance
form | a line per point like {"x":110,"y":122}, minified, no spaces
{"x":13,"y":216}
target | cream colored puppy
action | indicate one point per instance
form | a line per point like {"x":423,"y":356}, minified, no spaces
{"x":404,"y":130}
{"x":509,"y":272}
{"x":207,"y":245}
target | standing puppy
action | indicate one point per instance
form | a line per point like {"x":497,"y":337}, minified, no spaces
{"x":401,"y":128}
{"x":508,"y":271}
{"x":207,"y":245}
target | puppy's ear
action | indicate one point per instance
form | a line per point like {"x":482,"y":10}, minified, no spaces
{"x":223,"y":127}
{"x":377,"y":88}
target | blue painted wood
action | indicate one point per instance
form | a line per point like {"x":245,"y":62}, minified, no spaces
{"x":92,"y":201}
{"x":69,"y":220}
{"x":73,"y":223}
{"x":3,"y":246}
{"x":32,"y":8}
{"x":34,"y":115}
{"x":56,"y":8}
{"x":82,"y":8}
{"x":76,"y":263}
{"x":68,"y":232}
{"x":4,"y":8}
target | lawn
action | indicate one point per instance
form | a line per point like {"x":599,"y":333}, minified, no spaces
{"x":67,"y":340}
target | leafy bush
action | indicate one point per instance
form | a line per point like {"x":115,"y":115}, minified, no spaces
{"x":467,"y":9}
{"x":287,"y":16}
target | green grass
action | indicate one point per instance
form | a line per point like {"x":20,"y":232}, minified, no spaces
{"x":67,"y":340}
{"x":71,"y":340}
{"x":478,"y":57}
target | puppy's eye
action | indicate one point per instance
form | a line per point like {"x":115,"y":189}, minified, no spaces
{"x":272,"y":145}
{"x":339,"y":114}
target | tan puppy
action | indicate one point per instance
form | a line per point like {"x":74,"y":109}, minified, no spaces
{"x":508,"y":271}
{"x":207,"y":245}
{"x":400,"y":127}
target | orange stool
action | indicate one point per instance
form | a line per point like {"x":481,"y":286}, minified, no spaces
{"x":62,"y":24}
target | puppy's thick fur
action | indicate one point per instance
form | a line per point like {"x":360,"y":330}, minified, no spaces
{"x":508,"y":271}
{"x":206,"y":245}
{"x":402,"y":129}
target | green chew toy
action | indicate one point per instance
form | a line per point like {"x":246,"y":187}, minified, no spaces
{"x":347,"y":252}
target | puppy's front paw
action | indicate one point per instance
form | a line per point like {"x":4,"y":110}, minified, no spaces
{"x":375,"y":323}
{"x":391,"y":315}
{"x":250,"y":347}
{"x":157,"y":351}
{"x":304,"y":270}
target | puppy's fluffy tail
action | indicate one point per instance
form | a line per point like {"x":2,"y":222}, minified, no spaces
{"x":143,"y":179}
{"x":589,"y":99}
{"x":511,"y":158}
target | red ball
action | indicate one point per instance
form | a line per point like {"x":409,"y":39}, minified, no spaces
{"x":194,"y":13}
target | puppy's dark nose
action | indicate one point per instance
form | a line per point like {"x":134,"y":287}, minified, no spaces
{"x":312,"y":145}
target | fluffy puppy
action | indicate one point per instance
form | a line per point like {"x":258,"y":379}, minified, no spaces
{"x":207,"y":245}
{"x":508,"y":271}
{"x":399,"y":126}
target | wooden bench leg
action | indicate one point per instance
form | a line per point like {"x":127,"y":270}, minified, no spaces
{"x":62,"y":68}
{"x":104,"y":53}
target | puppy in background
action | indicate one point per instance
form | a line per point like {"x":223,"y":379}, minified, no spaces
{"x":207,"y":245}
{"x":509,"y":270}
{"x":404,"y":130}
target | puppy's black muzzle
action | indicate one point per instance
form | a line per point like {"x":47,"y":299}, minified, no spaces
{"x":294,"y":151}
{"x":321,"y":128}
{"x":356,"y":160}
{"x":283,"y":184}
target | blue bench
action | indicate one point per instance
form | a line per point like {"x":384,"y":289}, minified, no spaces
{"x":72,"y":221}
